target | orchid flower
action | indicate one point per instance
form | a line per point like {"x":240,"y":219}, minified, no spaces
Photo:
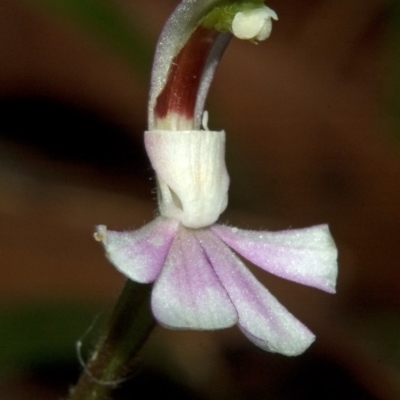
{"x":199,"y":281}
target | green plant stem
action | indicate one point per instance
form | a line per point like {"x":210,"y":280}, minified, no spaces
{"x":112,"y":360}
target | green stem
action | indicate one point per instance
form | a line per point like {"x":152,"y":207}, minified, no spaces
{"x":130,"y":324}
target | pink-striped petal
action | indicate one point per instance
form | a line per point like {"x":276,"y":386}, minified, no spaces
{"x":188,"y":294}
{"x":261,"y":317}
{"x":307,"y":256}
{"x":139,"y":254}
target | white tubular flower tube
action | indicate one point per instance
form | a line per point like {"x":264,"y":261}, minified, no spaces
{"x":192,"y":177}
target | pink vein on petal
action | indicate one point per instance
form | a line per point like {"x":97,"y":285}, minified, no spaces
{"x":188,"y":293}
{"x":140,"y":254}
{"x":306,"y":256}
{"x":261,"y":317}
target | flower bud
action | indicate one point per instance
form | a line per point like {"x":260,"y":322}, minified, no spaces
{"x":253,"y":24}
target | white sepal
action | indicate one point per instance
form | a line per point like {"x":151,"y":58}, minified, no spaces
{"x":192,"y":177}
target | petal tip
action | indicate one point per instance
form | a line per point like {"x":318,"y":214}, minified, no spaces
{"x":100,"y":235}
{"x":293,"y":346}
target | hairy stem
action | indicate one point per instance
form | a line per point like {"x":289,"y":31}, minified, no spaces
{"x":112,"y":360}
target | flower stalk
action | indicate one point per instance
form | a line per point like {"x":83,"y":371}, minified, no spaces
{"x":112,"y":360}
{"x":175,"y":105}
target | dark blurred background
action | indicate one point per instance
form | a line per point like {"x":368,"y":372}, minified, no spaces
{"x":313,"y":125}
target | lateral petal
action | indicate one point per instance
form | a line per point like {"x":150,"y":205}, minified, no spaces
{"x":188,"y":293}
{"x":261,"y":317}
{"x":307,"y":256}
{"x":139,"y":254}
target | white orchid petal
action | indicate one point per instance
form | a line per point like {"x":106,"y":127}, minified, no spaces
{"x":139,"y":254}
{"x":192,"y":175}
{"x":307,"y":256}
{"x":261,"y":317}
{"x":188,"y":294}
